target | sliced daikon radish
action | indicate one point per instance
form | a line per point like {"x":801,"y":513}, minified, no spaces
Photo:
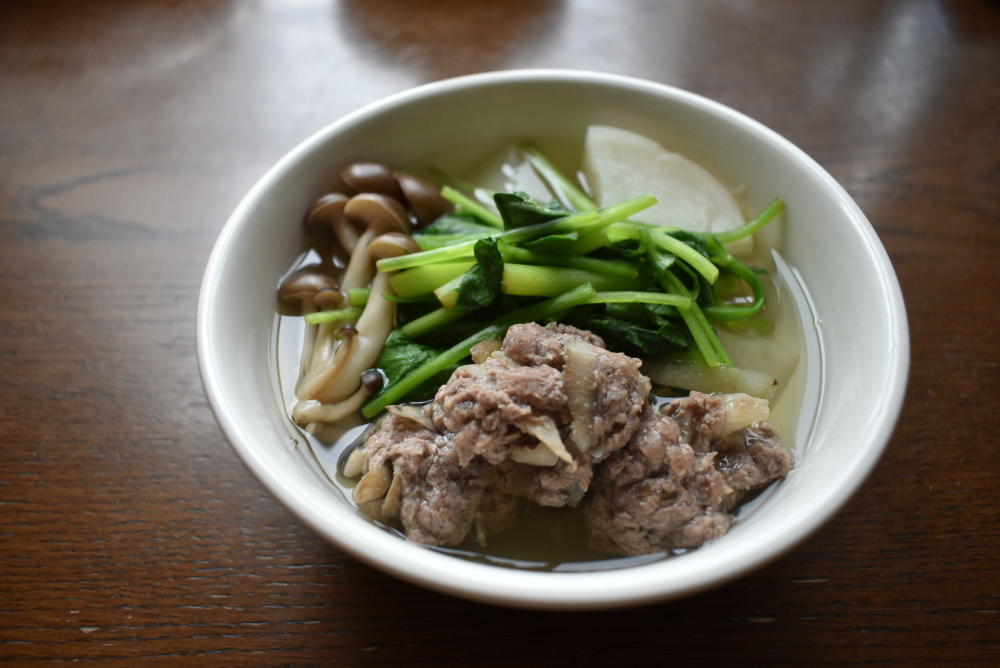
{"x":692,"y":375}
{"x":619,"y":165}
{"x":777,"y":359}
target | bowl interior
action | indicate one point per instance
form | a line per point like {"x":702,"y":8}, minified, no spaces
{"x":855,"y":294}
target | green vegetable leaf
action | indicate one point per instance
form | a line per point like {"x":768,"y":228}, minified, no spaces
{"x":697,"y":242}
{"x":401,"y":355}
{"x":631,"y":338}
{"x":651,"y":316}
{"x":518,"y":209}
{"x":481,"y":285}
{"x":553,"y":243}
{"x":456,"y":223}
{"x":628,"y":248}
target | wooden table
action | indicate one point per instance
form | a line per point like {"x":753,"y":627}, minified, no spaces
{"x":131,"y":533}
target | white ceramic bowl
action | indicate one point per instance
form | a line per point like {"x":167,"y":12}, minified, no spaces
{"x":855,"y":292}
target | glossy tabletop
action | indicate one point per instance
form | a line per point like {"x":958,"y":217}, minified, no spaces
{"x":130,"y":533}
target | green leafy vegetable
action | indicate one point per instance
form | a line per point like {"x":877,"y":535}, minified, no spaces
{"x":336,"y":315}
{"x":471,"y":206}
{"x":662,"y":290}
{"x":455,"y":223}
{"x":568,"y":190}
{"x":518,"y":209}
{"x":402,"y":355}
{"x":481,"y":284}
{"x":630,"y":337}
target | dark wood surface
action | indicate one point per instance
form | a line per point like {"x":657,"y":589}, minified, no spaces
{"x":131,"y":533}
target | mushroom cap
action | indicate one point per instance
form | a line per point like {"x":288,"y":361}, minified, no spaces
{"x":372,"y":380}
{"x":303,"y":285}
{"x":328,"y":298}
{"x":377,"y":213}
{"x":392,"y":244}
{"x":325,"y":213}
{"x":424,"y":197}
{"x":371,"y":177}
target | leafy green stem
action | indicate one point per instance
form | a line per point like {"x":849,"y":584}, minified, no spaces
{"x":472,"y":206}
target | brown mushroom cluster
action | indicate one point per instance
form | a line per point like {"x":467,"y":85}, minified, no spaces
{"x":369,"y":219}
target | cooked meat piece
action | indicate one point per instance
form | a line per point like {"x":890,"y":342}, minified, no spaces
{"x":482,"y":405}
{"x":440,"y":497}
{"x":671,"y":486}
{"x":532,"y":345}
{"x":751,"y":459}
{"x":549,"y":416}
{"x":701,"y":418}
{"x":562,"y":484}
{"x":619,"y":393}
{"x":656,"y":494}
{"x":491,"y":407}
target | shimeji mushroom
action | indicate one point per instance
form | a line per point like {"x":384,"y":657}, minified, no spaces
{"x":368,"y":226}
{"x":340,"y":388}
{"x":306,"y":290}
{"x":371,"y":177}
{"x":423,"y":197}
{"x":376,"y":215}
{"x":325,"y":216}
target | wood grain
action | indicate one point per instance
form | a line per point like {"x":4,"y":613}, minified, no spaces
{"x":131,"y":534}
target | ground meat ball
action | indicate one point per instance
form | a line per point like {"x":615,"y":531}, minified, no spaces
{"x":656,"y":494}
{"x":659,"y":493}
{"x":622,"y":390}
{"x":440,"y":497}
{"x":482,"y":403}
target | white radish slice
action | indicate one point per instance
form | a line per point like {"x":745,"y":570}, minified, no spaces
{"x":619,"y":165}
{"x":691,"y":375}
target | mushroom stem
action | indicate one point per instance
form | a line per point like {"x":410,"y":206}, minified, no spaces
{"x":374,"y":326}
{"x":360,"y":268}
{"x":356,"y":462}
{"x":346,"y":235}
{"x":309,"y":341}
{"x":311,"y":410}
{"x":321,"y":371}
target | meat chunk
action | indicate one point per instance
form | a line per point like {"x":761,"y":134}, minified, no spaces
{"x":751,"y":459}
{"x":617,"y":392}
{"x":700,"y":417}
{"x":532,"y":345}
{"x":550,"y":415}
{"x":505,"y":429}
{"x":437,"y":499}
{"x":672,"y":486}
{"x":657,"y":494}
{"x":493,"y":407}
{"x":485,"y":405}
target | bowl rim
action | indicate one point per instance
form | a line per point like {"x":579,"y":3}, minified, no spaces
{"x":558,"y":591}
